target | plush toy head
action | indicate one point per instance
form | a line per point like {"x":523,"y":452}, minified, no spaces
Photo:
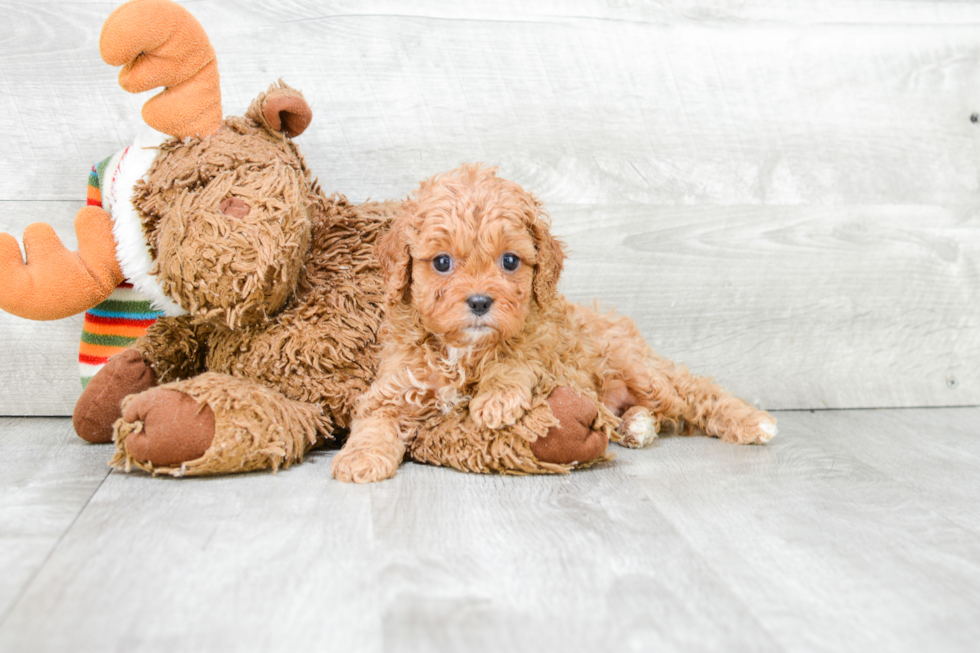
{"x":218,"y":223}
{"x":469,"y":257}
{"x":225,"y":216}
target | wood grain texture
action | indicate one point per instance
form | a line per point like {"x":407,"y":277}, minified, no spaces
{"x":708,"y":103}
{"x":730,"y":291}
{"x":851,"y":531}
{"x":785,"y":196}
{"x":255,"y":562}
{"x":39,"y":376}
{"x":795,"y":306}
{"x":833,"y":537}
{"x":47,"y":474}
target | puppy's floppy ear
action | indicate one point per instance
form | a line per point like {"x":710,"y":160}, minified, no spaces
{"x":550,"y":256}
{"x":396,"y":262}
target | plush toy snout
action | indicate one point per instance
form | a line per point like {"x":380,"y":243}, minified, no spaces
{"x":238,"y":262}
{"x":234,"y":207}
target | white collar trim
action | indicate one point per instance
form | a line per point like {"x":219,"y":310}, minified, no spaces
{"x":132,"y":251}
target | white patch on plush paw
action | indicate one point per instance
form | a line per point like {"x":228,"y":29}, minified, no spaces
{"x":638,"y":430}
{"x":769,"y":430}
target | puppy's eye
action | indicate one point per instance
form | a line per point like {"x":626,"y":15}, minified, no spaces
{"x":442,"y":263}
{"x":510,"y":262}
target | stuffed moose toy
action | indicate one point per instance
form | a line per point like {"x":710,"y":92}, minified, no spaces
{"x":253,"y":301}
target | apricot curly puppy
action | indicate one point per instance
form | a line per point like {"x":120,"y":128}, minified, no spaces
{"x":477,"y":336}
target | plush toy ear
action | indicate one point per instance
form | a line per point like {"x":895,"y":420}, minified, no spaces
{"x":159,"y":43}
{"x":286,"y":110}
{"x":281,"y":109}
{"x":550,"y":256}
{"x":393,"y":254}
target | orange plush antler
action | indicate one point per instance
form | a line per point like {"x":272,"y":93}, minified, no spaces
{"x":159,"y":43}
{"x":56,"y":283}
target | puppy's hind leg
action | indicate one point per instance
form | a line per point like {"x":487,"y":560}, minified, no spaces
{"x":643,"y":398}
{"x":635,"y":379}
{"x":710,"y":409}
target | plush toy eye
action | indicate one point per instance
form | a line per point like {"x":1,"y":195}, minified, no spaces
{"x":510,"y":262}
{"x":442,"y":263}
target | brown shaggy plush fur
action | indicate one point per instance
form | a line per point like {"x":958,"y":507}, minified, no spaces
{"x":283,"y":289}
{"x":477,"y":336}
{"x":450,"y":440}
{"x":285,"y":299}
{"x":255,"y":427}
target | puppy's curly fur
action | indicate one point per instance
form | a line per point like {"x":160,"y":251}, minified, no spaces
{"x":477,"y":335}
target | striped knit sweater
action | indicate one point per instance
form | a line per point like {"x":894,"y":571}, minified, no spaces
{"x":117,"y":322}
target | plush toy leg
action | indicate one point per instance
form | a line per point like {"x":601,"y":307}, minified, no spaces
{"x":215,"y":424}
{"x":101,"y":402}
{"x":175,"y":427}
{"x":578,"y":439}
{"x":572,"y":440}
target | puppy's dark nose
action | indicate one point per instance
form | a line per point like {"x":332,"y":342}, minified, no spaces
{"x":479,"y":304}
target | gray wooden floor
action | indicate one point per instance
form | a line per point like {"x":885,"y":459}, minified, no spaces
{"x":852,"y":531}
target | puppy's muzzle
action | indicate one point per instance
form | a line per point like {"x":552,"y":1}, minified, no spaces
{"x":479,"y":304}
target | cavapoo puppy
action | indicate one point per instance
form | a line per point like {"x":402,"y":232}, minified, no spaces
{"x":481,"y":353}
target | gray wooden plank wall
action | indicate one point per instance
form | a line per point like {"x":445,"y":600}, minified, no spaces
{"x":784,"y":195}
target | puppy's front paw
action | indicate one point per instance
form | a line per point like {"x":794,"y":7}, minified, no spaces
{"x":355,"y":465}
{"x":494,"y":410}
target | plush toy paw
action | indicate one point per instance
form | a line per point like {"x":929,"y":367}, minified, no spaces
{"x":573,"y":440}
{"x":101,"y":402}
{"x":494,"y":410}
{"x":357,"y":465}
{"x":638,"y":428}
{"x":165,"y":427}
